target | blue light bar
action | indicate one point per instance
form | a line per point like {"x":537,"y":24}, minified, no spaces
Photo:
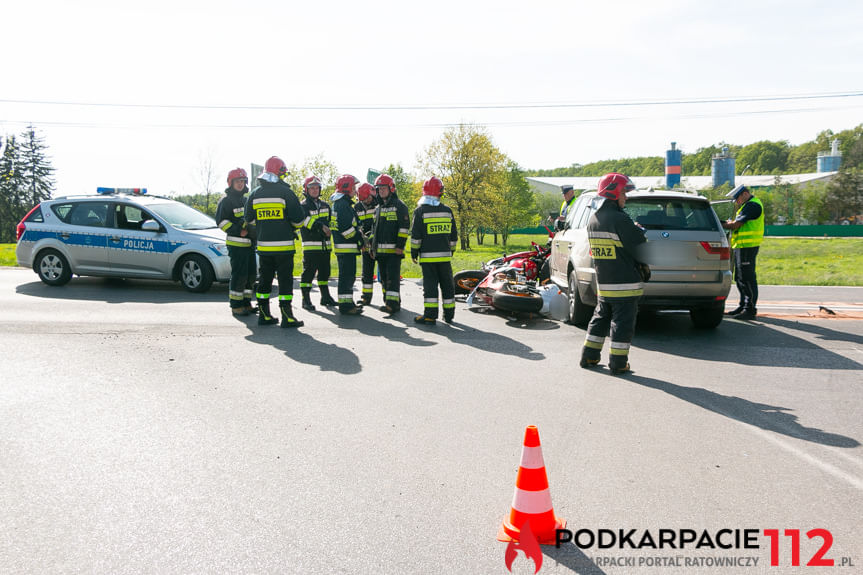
{"x":135,"y":191}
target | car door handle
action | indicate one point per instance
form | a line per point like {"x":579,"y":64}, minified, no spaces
{"x":64,"y":235}
{"x":116,"y":239}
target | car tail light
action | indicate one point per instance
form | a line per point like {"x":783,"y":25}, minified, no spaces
{"x":717,"y":248}
{"x":21,"y":228}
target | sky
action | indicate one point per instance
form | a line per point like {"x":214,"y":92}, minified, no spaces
{"x":147,"y":94}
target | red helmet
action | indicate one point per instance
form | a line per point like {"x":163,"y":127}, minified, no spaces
{"x":610,"y":185}
{"x":346,"y":183}
{"x":276,"y":166}
{"x":364,"y":191}
{"x":433,"y":187}
{"x":385,"y":180}
{"x":236,"y":174}
{"x":312,"y":181}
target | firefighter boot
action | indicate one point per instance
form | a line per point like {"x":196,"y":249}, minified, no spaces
{"x":366,"y":299}
{"x":618,"y":364}
{"x":288,"y":319}
{"x":264,"y":317}
{"x":307,"y":300}
{"x":589,"y":357}
{"x":326,"y":298}
{"x":423,"y":320}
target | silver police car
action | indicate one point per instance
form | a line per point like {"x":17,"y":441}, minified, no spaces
{"x":122,"y":232}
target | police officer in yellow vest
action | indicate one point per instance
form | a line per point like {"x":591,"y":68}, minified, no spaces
{"x":568,"y":201}
{"x":747,"y":231}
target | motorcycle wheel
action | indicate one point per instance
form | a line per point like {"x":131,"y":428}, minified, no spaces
{"x":466,"y":280}
{"x":516,"y":298}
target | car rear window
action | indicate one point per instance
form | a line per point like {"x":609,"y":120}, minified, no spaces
{"x":35,"y":216}
{"x":672,"y":214}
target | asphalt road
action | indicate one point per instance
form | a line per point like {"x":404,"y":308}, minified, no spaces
{"x":145,"y":430}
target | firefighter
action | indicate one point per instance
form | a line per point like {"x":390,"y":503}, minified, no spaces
{"x":241,"y":249}
{"x":277,"y":214}
{"x":390,"y":234}
{"x":348,"y":241}
{"x":747,"y":231}
{"x":365,"y":209}
{"x":433,"y":241}
{"x":315,"y":235}
{"x":613,"y":238}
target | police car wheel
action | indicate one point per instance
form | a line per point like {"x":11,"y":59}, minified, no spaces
{"x":196,"y":275}
{"x":579,"y":313}
{"x":707,"y":318}
{"x":52,"y":267}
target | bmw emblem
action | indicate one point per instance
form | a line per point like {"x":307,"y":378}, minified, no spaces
{"x":665,"y":234}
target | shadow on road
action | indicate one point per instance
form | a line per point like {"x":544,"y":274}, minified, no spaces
{"x":768,"y":417}
{"x":819,"y":330}
{"x":572,"y":558}
{"x":760,"y":343}
{"x":303,"y":348}
{"x":119,"y":290}
{"x":367,"y":325}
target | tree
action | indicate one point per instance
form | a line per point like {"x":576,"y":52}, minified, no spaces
{"x":36,"y":170}
{"x":207,"y":178}
{"x":318,"y":166}
{"x":466,"y":160}
{"x":844,"y":197}
{"x":511,"y":204}
{"x":408,"y":189}
{"x":11,"y":184}
{"x":763,"y":157}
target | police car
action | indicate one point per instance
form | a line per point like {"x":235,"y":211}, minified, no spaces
{"x":122,"y":232}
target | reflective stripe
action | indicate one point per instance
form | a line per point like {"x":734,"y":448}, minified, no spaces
{"x":428,"y":260}
{"x":286,"y":297}
{"x":404,"y":231}
{"x":592,"y":344}
{"x":386,"y":246}
{"x":416,"y":243}
{"x":598,"y":234}
{"x":286,"y":246}
{"x":225,"y":224}
{"x":620,"y":345}
{"x":237,"y":241}
{"x":348,"y":233}
{"x":605,"y":242}
{"x":346,"y":246}
{"x":235,"y":295}
{"x":636,"y":285}
{"x":596,"y":338}
{"x":262,"y":295}
{"x":531,"y":501}
{"x":323,"y":283}
{"x":531,"y":458}
{"x":430,"y":300}
{"x":268,"y":202}
{"x":310,"y":244}
{"x":615,"y":351}
{"x":621,"y":293}
{"x":392,"y":293}
{"x":437,"y":220}
{"x":432,"y":305}
{"x":432,"y":215}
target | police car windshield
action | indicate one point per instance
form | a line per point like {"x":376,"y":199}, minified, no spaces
{"x":182,"y":216}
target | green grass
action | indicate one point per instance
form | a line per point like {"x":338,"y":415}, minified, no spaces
{"x":7,"y":255}
{"x":781,"y":261}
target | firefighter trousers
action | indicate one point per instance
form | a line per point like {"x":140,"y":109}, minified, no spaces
{"x":368,"y":278}
{"x":243,"y":274}
{"x":272,"y":264}
{"x":315,"y":262}
{"x":347,"y":276}
{"x":438,"y":275}
{"x":616,"y":315}
{"x":390,"y":267}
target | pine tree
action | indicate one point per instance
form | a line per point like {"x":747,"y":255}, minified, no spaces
{"x":12,"y":205}
{"x":35,"y":167}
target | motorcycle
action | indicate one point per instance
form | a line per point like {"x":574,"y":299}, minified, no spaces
{"x":532,"y":264}
{"x":507,"y":289}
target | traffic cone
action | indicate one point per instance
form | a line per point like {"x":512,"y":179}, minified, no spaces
{"x":532,"y":499}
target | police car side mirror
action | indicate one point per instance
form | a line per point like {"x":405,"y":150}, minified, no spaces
{"x":150,"y":226}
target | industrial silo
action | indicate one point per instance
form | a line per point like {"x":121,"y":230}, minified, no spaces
{"x":722,"y":168}
{"x":672,"y":166}
{"x":830,"y":161}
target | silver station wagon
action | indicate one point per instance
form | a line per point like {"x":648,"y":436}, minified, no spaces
{"x":122,"y":233}
{"x":687,"y":251}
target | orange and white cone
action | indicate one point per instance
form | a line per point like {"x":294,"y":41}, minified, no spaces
{"x":532,"y":499}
